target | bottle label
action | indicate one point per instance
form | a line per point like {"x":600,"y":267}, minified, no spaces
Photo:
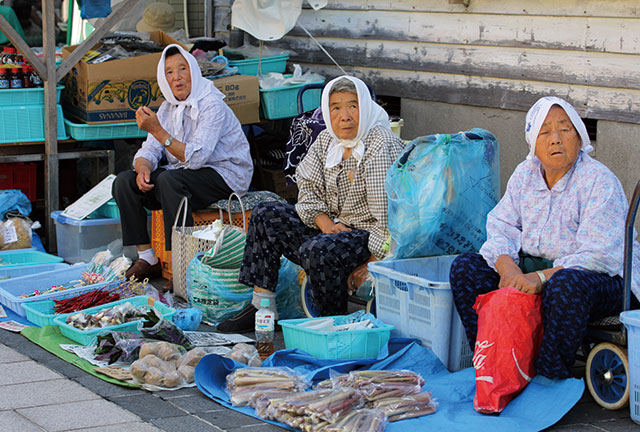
{"x":16,"y":83}
{"x":4,"y":84}
{"x":265,"y":322}
{"x":36,"y":80}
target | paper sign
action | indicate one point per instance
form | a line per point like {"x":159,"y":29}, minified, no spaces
{"x":3,"y":314}
{"x":92,"y":200}
{"x":12,"y":326}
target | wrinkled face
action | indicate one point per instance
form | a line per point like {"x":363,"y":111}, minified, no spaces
{"x":558,"y":142}
{"x":178,"y":73}
{"x":345,"y":114}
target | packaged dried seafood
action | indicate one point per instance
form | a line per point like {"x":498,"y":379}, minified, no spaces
{"x":363,"y":420}
{"x":243,"y":382}
{"x":316,"y":406}
{"x":407,"y":406}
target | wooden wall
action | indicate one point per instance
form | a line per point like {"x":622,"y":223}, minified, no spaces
{"x":499,"y":54}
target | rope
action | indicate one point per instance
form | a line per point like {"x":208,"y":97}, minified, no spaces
{"x":322,"y":48}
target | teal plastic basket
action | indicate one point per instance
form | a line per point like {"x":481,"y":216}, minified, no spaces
{"x":26,"y":257}
{"x":40,"y":312}
{"x":86,"y":337}
{"x":26,"y":96}
{"x":25,"y":123}
{"x":109,"y":210}
{"x":87,"y":132}
{"x":282,"y":102}
{"x":267,"y":64}
{"x":354,"y":344}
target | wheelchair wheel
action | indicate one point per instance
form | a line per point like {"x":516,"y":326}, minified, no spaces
{"x":607,"y":375}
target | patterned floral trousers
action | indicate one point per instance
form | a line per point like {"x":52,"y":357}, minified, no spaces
{"x":570,"y":300}
{"x":275,"y":229}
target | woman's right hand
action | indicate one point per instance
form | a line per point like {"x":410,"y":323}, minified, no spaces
{"x":143,"y":178}
{"x":327,"y":226}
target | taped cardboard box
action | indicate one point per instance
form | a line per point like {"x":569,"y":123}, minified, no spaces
{"x":112,"y":91}
{"x":242,"y":95}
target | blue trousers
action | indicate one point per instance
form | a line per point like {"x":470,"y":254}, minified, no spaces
{"x":570,"y":300}
{"x":275,"y":229}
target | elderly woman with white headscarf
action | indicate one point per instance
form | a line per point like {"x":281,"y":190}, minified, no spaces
{"x":558,"y":231}
{"x":195,"y":148}
{"x":339,"y":223}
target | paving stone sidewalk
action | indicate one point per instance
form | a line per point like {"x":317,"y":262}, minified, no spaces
{"x":40,"y":392}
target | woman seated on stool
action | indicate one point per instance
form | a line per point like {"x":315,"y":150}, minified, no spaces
{"x":207,"y":153}
{"x":340,"y":221}
{"x":559,"y":232}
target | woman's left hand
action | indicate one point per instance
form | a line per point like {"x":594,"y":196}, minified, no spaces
{"x":357,"y":277}
{"x":147,"y":120}
{"x":527,"y":283}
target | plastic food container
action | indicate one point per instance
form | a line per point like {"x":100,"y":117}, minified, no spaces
{"x":267,"y":64}
{"x":25,"y":257}
{"x":85,"y":337}
{"x":13,"y":272}
{"x":352,"y":344}
{"x":282,"y":102}
{"x":414,"y":295}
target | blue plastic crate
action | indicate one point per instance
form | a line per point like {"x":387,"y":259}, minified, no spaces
{"x":26,"y":257}
{"x":414,"y":295}
{"x":12,"y":289}
{"x":26,"y":96}
{"x":40,"y":312}
{"x":85,"y":337}
{"x":25,"y":123}
{"x":353,"y":344}
{"x":282,"y":102}
{"x":91,"y":132}
{"x":268,"y":64}
{"x":13,"y":272}
{"x":631,"y":320}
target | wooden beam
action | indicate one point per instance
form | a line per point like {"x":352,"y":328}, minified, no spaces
{"x":17,"y":41}
{"x":116,"y":15}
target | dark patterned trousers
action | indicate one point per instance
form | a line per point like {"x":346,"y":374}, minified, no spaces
{"x":275,"y":229}
{"x":570,"y":300}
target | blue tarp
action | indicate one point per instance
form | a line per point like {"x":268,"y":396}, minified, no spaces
{"x":541,"y":404}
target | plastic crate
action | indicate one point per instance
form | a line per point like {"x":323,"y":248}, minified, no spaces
{"x":14,"y":272}
{"x":200,"y":218}
{"x":12,"y":289}
{"x":85,"y":337}
{"x":26,"y":257}
{"x":26,"y":96}
{"x":354,"y":344}
{"x":40,"y":313}
{"x":109,"y":210}
{"x":26,"y":123}
{"x":86,"y":132}
{"x":282,"y":102}
{"x":19,"y":175}
{"x":414,"y":296}
{"x":267,"y":64}
{"x":631,"y":320}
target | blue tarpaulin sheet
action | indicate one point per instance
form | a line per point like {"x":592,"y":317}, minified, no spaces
{"x":540,"y":405}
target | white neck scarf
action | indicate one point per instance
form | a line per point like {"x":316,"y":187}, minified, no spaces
{"x":371,"y":115}
{"x":538,"y":113}
{"x":200,"y":87}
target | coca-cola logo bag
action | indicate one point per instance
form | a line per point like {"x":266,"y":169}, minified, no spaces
{"x":507,"y":344}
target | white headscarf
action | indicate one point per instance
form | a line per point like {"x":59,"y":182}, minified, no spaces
{"x":371,"y":115}
{"x":200,"y":87}
{"x":538,"y":113}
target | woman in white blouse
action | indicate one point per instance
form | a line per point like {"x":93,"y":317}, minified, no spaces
{"x":557,"y":232}
{"x":339,"y":223}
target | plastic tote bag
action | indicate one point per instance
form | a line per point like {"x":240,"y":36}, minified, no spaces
{"x":185,"y":246}
{"x":440,"y":191}
{"x":507,"y":344}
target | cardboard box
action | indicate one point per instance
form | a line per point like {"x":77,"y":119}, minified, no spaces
{"x":112,"y":91}
{"x":242,"y":95}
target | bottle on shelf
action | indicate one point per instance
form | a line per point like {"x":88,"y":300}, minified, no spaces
{"x":11,"y":56}
{"x":35,"y":78}
{"x":5,"y":83}
{"x":16,"y":77}
{"x":265,"y":327}
{"x":26,"y":76}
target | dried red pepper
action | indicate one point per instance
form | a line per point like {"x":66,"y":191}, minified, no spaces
{"x":84,"y":301}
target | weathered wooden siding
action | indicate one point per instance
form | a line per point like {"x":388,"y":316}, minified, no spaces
{"x":502,"y":54}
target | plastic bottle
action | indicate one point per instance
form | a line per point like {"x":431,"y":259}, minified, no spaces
{"x":4,"y":78}
{"x":265,"y":327}
{"x":35,"y":78}
{"x":11,"y":56}
{"x":26,"y":76}
{"x":16,"y":77}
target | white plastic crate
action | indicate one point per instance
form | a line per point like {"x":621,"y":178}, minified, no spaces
{"x":414,"y":296}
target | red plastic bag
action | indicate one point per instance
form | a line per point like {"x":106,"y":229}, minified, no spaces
{"x":507,"y":344}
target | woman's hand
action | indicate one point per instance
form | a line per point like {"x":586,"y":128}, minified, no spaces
{"x":147,"y":120}
{"x":528,"y":283}
{"x":327,"y":226}
{"x":143,"y":179}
